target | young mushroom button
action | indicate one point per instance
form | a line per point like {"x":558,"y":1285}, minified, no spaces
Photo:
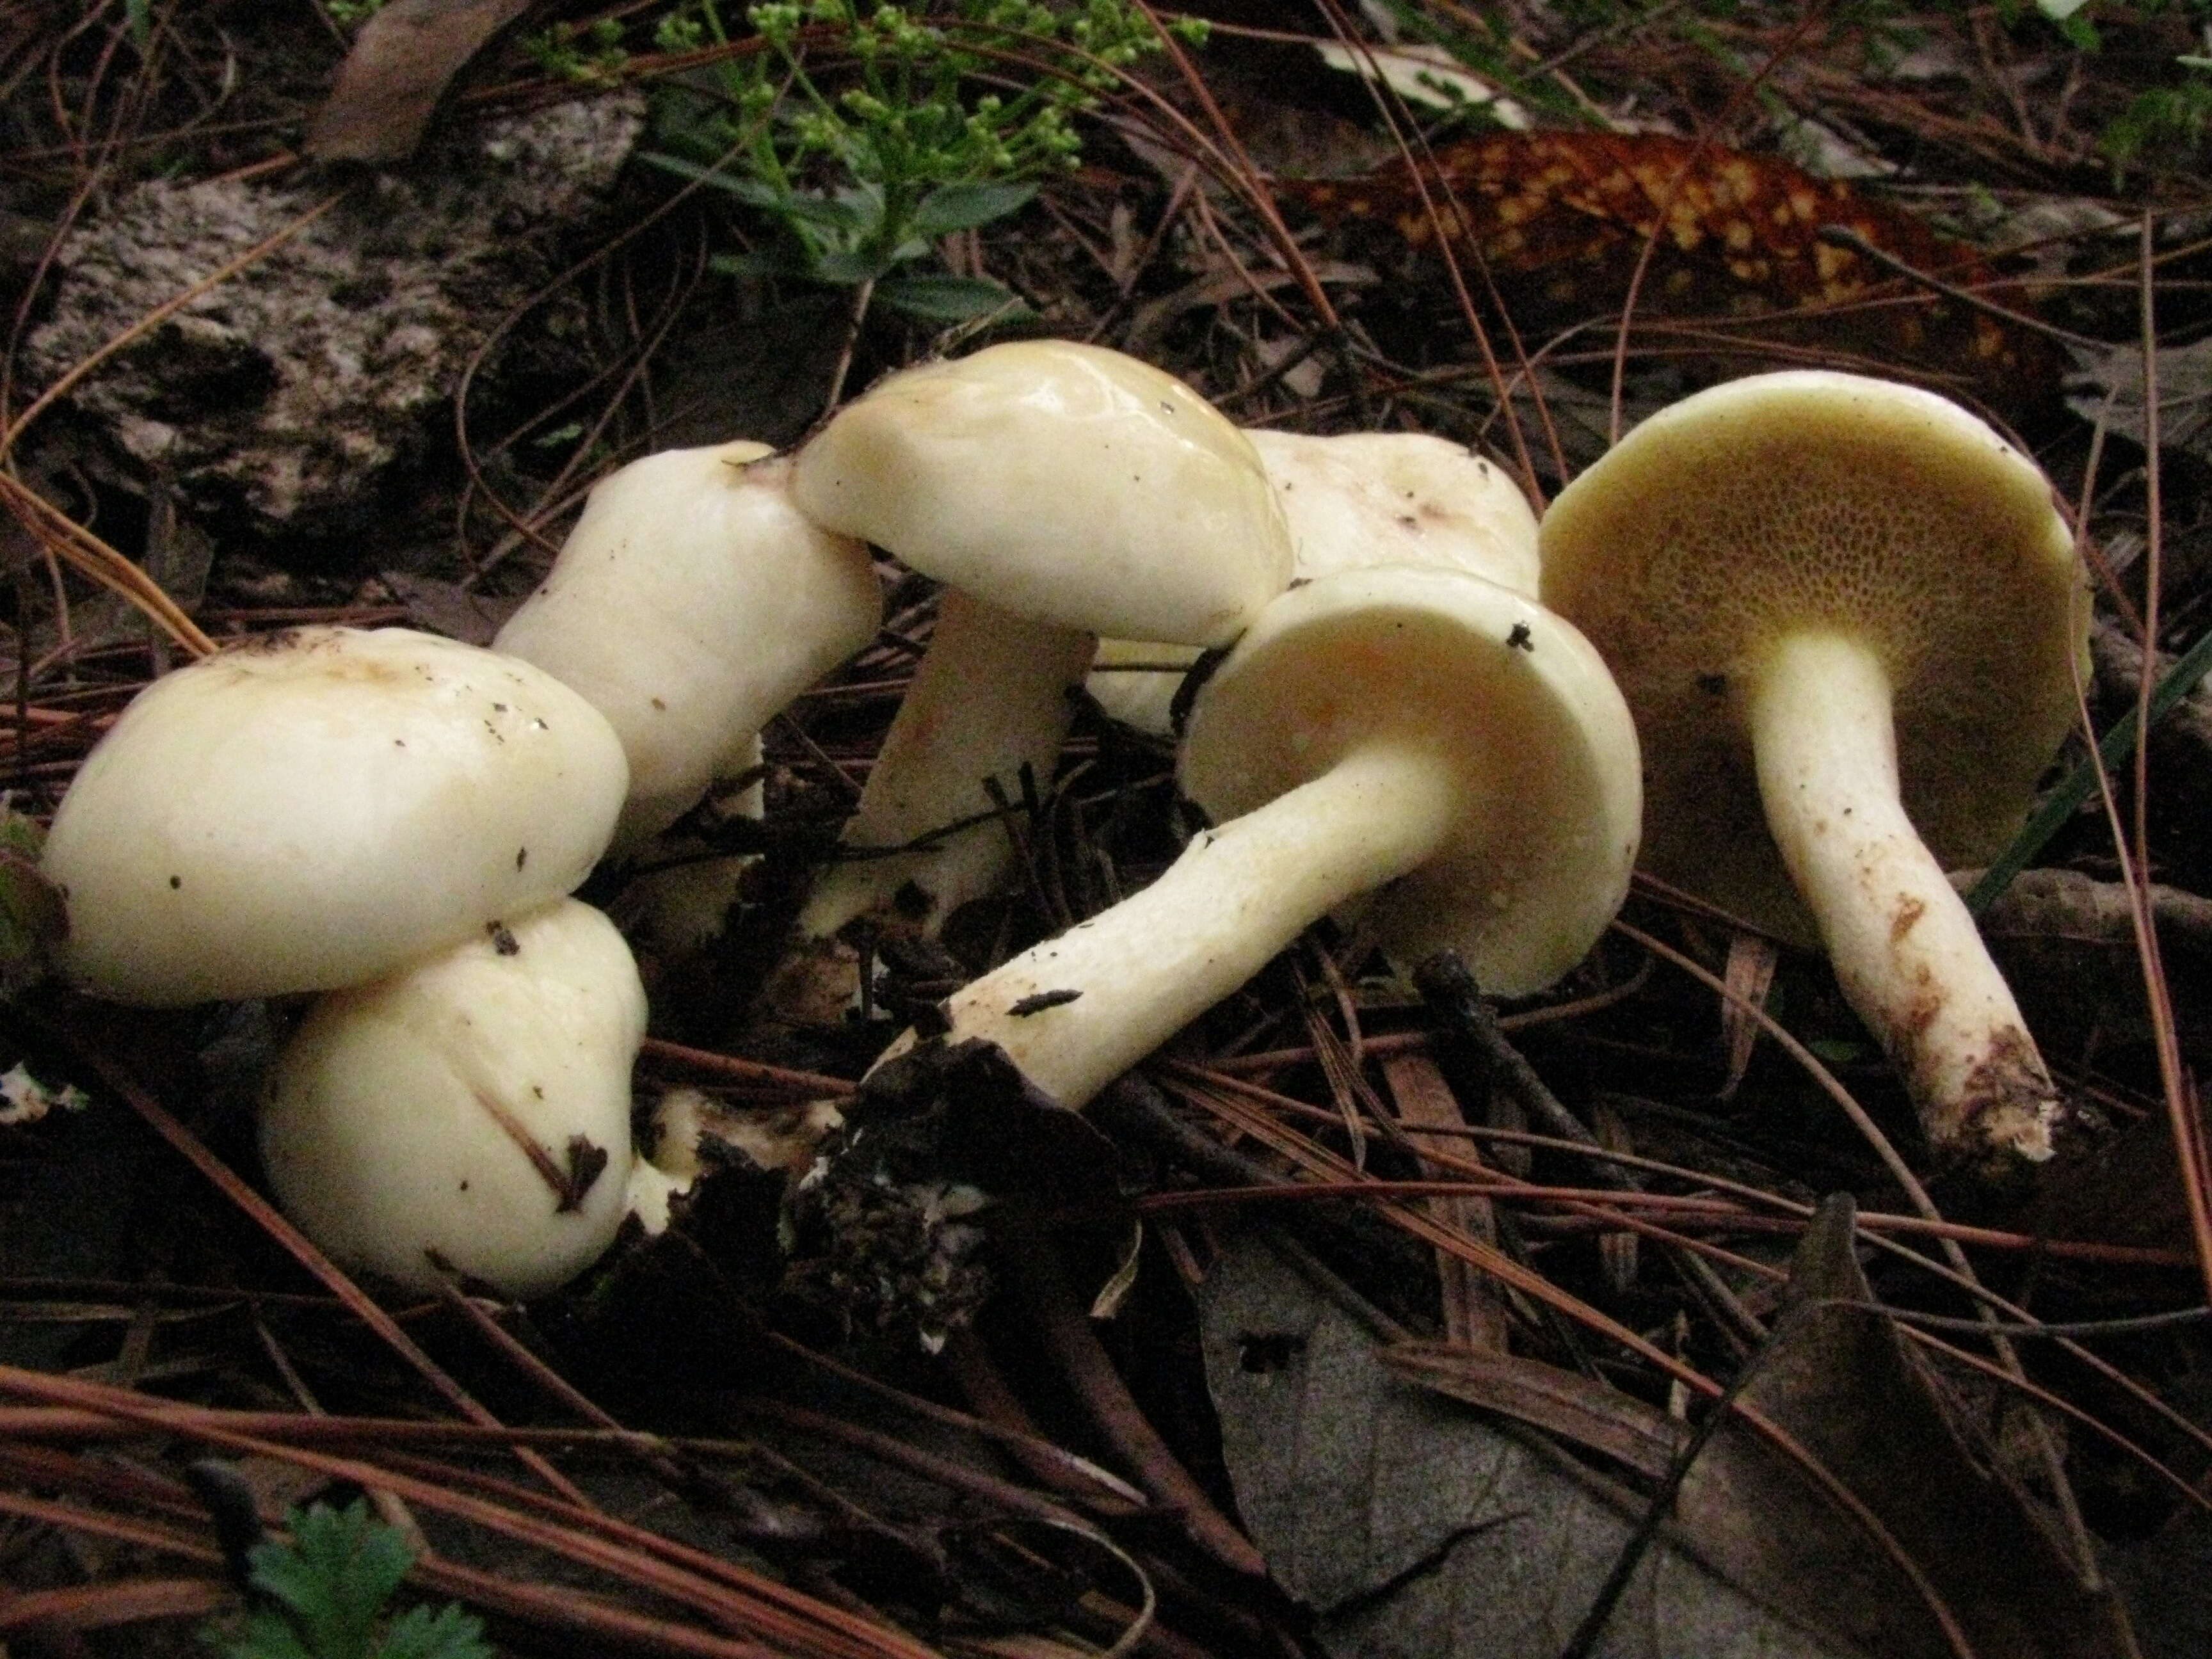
{"x":477,"y":1106}
{"x":319,"y":807}
{"x":1059,"y":491}
{"x":1848,"y":618}
{"x":691,"y":602}
{"x":1424,"y":736}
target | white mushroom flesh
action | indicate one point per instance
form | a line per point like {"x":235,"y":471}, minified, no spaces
{"x":473,"y":1109}
{"x":945,"y":741}
{"x":690,"y":604}
{"x":1907,"y":955}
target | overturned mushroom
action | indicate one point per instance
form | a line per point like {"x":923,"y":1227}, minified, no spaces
{"x":690,"y":602}
{"x":1058,"y":491}
{"x":1359,"y":499}
{"x":1424,"y":735}
{"x":473,"y":1109}
{"x":1847,"y":616}
{"x":322,"y":806}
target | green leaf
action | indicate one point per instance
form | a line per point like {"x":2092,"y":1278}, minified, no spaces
{"x":1839,"y":1051}
{"x":267,"y":1635}
{"x":950,"y":299}
{"x":330,"y":1585}
{"x":2117,"y":749}
{"x":335,"y":1576}
{"x":448,"y":1633}
{"x":963,"y":206}
{"x":762,"y":262}
{"x":21,"y":833}
{"x":848,"y":269}
{"x":751,"y":191}
{"x":849,"y":212}
{"x":32,"y":917}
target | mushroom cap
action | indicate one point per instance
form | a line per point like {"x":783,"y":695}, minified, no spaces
{"x":1066,"y":483}
{"x":1358,"y":499}
{"x":1514,"y":697}
{"x":381,"y":1126}
{"x":690,"y":603}
{"x":319,"y":807}
{"x":1367,"y":498}
{"x":1812,"y":501}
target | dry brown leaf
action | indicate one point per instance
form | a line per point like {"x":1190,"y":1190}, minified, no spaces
{"x":401,"y":63}
{"x":1839,"y":1379}
{"x":1585,"y":1412}
{"x":1412,"y":1526}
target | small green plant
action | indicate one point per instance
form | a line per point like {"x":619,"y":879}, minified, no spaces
{"x":323,"y":1596}
{"x":347,"y":13}
{"x":589,"y":54}
{"x":2172,"y":120}
{"x":866,"y":134}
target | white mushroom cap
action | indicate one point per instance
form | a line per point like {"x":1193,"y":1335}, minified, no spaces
{"x":1353,"y":500}
{"x":691,"y":602}
{"x":320,"y":807}
{"x":476,"y":1105}
{"x":1421,"y":735}
{"x":1368,"y":498}
{"x":1063,"y":482}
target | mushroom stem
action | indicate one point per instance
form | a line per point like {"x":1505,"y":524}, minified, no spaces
{"x":1149,"y":966}
{"x":991,"y":696}
{"x":1906,"y":952}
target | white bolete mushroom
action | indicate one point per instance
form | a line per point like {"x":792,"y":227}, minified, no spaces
{"x":1058,"y":491}
{"x":1424,"y":736}
{"x":1358,"y":499}
{"x":320,"y":807}
{"x":475,"y":1108}
{"x":1847,"y":616}
{"x":692,"y":602}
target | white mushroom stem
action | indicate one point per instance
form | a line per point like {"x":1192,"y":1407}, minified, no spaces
{"x":990,"y":697}
{"x":1906,"y":951}
{"x":1239,"y":894}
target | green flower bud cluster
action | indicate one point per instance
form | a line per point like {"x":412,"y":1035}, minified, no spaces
{"x":867,"y":129}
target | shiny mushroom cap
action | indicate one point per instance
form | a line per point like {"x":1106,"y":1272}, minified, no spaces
{"x":1065,"y":483}
{"x":1351,"y":501}
{"x":1369,"y":498}
{"x":320,"y":807}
